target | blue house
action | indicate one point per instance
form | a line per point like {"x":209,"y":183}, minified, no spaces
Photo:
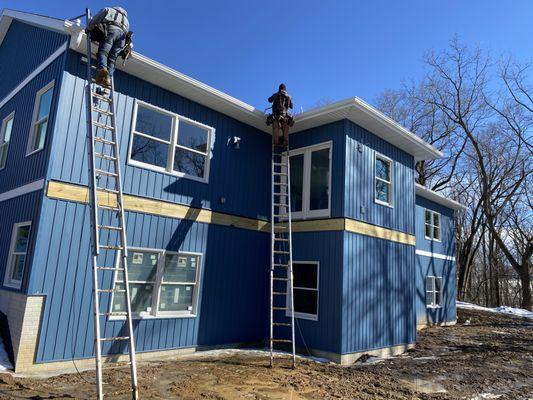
{"x":373,"y":252}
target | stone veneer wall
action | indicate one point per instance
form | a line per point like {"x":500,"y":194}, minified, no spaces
{"x":24,"y":318}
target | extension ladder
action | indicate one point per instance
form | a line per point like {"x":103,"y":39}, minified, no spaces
{"x":107,"y":219}
{"x":281,"y":276}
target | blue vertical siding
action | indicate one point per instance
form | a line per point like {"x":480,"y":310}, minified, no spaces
{"x":359,"y":183}
{"x":233,"y":287}
{"x":333,"y":132}
{"x":326,"y":248}
{"x":240,"y":176}
{"x":447,"y":244}
{"x":25,"y":46}
{"x":19,"y":209}
{"x":378,"y":294}
{"x":21,"y":169}
{"x":429,"y":266}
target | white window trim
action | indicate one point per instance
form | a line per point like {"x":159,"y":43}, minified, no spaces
{"x":173,"y":143}
{"x":306,"y":213}
{"x":8,"y":282}
{"x":391,"y":183}
{"x":311,"y":317}
{"x":434,"y":291}
{"x":31,"y":137}
{"x":433,"y":225}
{"x":156,"y":314}
{"x":3,"y":129}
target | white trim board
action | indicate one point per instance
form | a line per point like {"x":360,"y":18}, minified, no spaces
{"x":35,"y":72}
{"x":22,"y":190}
{"x":434,"y":255}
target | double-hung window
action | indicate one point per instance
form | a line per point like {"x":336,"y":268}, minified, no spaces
{"x":169,"y":143}
{"x":41,"y":112}
{"x":5,"y":135}
{"x":432,"y":225}
{"x":383,"y":173}
{"x":433,"y":291}
{"x":17,"y":255}
{"x":305,"y":276}
{"x":311,"y":181}
{"x":162,"y":283}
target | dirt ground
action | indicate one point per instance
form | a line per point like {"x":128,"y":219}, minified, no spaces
{"x":485,"y":356}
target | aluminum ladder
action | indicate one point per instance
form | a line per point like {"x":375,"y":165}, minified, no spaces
{"x":281,"y":274}
{"x":107,"y":220}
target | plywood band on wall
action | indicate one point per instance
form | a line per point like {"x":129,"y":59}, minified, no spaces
{"x":80,"y":194}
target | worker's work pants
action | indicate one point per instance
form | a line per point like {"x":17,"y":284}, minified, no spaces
{"x":110,"y":48}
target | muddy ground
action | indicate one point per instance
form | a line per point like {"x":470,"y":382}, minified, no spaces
{"x":485,"y":356}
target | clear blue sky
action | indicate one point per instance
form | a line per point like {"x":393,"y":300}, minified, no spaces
{"x":322,"y":50}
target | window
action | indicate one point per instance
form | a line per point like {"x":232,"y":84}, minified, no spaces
{"x":311,"y":181}
{"x":432,"y":225}
{"x":17,"y":255}
{"x":383,"y":180}
{"x":162,"y":283}
{"x":433,"y":291}
{"x":169,"y":143}
{"x":5,"y":135}
{"x":305,"y":289}
{"x":41,"y":111}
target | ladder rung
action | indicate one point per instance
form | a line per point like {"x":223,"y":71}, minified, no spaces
{"x":281,"y":340}
{"x":279,"y":308}
{"x":281,"y":173}
{"x":107,"y":190}
{"x":102,"y":172}
{"x":281,"y":204}
{"x":280,"y":240}
{"x":105,"y":156}
{"x":110,"y":228}
{"x":108,"y":208}
{"x":280,"y":183}
{"x":111,"y":290}
{"x":280,"y":194}
{"x":281,"y":215}
{"x":281,"y":252}
{"x":104,"y":141}
{"x":280,"y":279}
{"x":281,"y":324}
{"x":103,"y":112}
{"x":280,"y":293}
{"x":109,"y":269}
{"x":111,"y":339}
{"x":281,"y":265}
{"x":109,"y":247}
{"x":114,"y":314}
{"x":279,"y":164}
{"x":99,"y":96}
{"x":103,"y":126}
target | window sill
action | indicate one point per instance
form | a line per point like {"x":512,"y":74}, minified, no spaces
{"x":31,"y":153}
{"x":13,"y":286}
{"x":382,"y":203}
{"x":148,"y":167}
{"x":433,"y":240}
{"x":433,"y":307}
{"x":159,"y":316}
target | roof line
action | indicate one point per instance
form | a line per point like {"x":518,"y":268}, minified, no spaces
{"x":437,"y":197}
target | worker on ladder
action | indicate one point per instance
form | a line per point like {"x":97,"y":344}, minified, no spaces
{"x":111,"y":29}
{"x":280,"y":119}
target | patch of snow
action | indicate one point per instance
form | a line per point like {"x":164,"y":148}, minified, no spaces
{"x":251,"y":352}
{"x":519,"y":312}
{"x":484,"y":396}
{"x":5,"y":364}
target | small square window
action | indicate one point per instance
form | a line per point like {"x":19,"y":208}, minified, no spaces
{"x":17,"y":255}
{"x":5,"y":136}
{"x":305,"y":285}
{"x":432,"y":229}
{"x":433,"y":291}
{"x":383,"y":180}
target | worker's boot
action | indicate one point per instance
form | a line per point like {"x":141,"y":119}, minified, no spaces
{"x":102,"y":78}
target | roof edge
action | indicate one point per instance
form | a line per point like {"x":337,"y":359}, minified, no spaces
{"x":438,"y":198}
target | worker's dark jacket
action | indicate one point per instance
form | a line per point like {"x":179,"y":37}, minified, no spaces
{"x":281,"y":102}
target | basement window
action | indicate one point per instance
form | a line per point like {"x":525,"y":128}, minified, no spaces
{"x":41,"y":112}
{"x":162,"y":283}
{"x":5,"y":136}
{"x":305,"y":290}
{"x":166,"y":142}
{"x":433,"y":291}
{"x":311,"y":181}
{"x":432,"y":225}
{"x":17,"y":255}
{"x":383,"y":180}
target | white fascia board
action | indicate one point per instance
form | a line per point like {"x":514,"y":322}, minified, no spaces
{"x":437,"y":198}
{"x":361,"y":113}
